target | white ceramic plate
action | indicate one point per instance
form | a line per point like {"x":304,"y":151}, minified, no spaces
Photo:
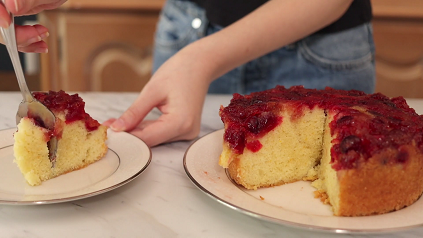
{"x":126,"y":158}
{"x":290,"y":204}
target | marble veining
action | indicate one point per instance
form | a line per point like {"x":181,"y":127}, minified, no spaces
{"x":161,"y":202}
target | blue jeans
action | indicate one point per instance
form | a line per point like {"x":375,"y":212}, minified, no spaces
{"x":341,"y":60}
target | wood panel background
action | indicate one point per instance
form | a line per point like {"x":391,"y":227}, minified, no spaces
{"x":398,"y":35}
{"x":99,"y":45}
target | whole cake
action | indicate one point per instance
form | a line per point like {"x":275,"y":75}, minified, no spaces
{"x":81,"y":139}
{"x":364,"y":153}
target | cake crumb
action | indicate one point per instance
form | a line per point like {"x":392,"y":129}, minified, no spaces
{"x":322,"y":196}
{"x":262,"y":198}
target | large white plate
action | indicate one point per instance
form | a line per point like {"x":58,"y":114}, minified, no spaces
{"x":290,"y":204}
{"x":126,"y":158}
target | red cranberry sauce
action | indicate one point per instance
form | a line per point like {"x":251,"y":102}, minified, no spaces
{"x":363,"y":124}
{"x":249,"y":118}
{"x":385,"y":124}
{"x":71,"y":105}
{"x":254,"y":145}
{"x":38,"y":122}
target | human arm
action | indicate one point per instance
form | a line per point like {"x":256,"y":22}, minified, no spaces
{"x":29,"y":38}
{"x":179,"y":86}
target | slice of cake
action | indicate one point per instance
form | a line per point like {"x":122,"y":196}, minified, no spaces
{"x":364,"y":153}
{"x":81,"y":139}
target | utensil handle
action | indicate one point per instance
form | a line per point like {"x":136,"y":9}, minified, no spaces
{"x":9,"y":37}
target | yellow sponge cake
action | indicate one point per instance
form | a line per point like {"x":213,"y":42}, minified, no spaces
{"x":364,"y":153}
{"x":81,"y":139}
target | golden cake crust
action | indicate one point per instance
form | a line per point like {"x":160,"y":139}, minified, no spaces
{"x":384,"y":185}
{"x":236,"y":174}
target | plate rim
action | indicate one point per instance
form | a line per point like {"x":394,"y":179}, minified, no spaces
{"x":85,"y":195}
{"x":297,"y":225}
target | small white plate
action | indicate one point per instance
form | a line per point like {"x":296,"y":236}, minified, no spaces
{"x":290,"y":204}
{"x":126,"y":158}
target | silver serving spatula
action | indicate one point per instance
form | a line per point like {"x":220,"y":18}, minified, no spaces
{"x":29,"y":106}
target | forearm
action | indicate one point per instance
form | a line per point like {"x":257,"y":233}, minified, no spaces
{"x":275,"y":24}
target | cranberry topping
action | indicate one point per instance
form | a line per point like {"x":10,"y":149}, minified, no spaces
{"x":402,"y":156}
{"x":249,"y":119}
{"x":350,"y":143}
{"x":71,"y":105}
{"x":37,"y":121}
{"x":236,"y":139}
{"x":254,"y":145}
{"x":363,"y":125}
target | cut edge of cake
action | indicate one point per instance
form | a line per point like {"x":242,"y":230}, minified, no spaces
{"x":303,"y":152}
{"x":77,"y":147}
{"x":350,"y":192}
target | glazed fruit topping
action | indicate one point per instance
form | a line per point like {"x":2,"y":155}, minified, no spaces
{"x":350,"y":143}
{"x":254,"y":145}
{"x":71,"y":105}
{"x":37,"y":121}
{"x":363,"y":124}
{"x":249,"y":119}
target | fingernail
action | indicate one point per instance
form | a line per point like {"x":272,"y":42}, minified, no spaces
{"x":35,"y":39}
{"x":44,"y":35}
{"x":41,"y":50}
{"x":31,"y":41}
{"x":118,"y":125}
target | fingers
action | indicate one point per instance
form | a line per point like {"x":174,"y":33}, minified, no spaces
{"x":37,"y":47}
{"x":109,"y":122}
{"x":26,"y":35}
{"x":4,"y":17}
{"x":166,"y":129}
{"x":145,"y":102}
{"x":25,"y":7}
{"x":30,"y":38}
{"x":11,"y":5}
{"x":156,"y":133}
{"x":29,"y":7}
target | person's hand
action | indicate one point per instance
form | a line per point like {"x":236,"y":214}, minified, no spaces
{"x":179,"y":87}
{"x":178,"y":90}
{"x":29,"y":38}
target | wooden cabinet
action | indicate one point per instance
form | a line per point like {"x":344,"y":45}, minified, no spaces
{"x":398,"y":35}
{"x":99,"y":45}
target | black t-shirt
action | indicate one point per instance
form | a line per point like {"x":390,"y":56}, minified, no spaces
{"x":225,"y":12}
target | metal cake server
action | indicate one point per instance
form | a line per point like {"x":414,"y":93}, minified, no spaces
{"x":29,"y":106}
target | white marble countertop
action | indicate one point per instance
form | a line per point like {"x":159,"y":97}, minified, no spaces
{"x":161,"y":202}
